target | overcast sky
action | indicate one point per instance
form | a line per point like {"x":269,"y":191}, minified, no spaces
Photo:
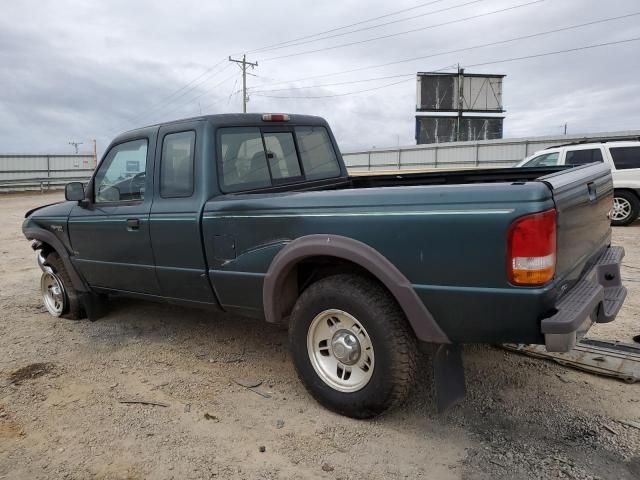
{"x":78,"y":70}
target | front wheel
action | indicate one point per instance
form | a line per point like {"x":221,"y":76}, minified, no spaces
{"x":59,"y":297}
{"x":352,"y":346}
{"x":626,"y":208}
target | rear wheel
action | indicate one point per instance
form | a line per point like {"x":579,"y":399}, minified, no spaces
{"x":626,"y":208}
{"x":352,"y":346}
{"x":58,"y":294}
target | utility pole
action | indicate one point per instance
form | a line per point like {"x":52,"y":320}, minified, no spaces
{"x":95,"y":153}
{"x":76,"y":145}
{"x":565,"y":128}
{"x":460,"y":100}
{"x":243,"y":65}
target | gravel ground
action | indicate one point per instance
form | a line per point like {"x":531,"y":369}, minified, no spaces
{"x":62,"y":384}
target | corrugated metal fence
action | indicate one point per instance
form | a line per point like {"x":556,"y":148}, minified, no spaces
{"x":43,"y":172}
{"x":486,"y":153}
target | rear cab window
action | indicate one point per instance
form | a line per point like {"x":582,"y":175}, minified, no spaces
{"x":282,"y":157}
{"x":318,"y":156}
{"x":254,"y":157}
{"x":625,"y":158}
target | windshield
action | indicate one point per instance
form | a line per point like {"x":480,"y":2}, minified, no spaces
{"x":543,"y":160}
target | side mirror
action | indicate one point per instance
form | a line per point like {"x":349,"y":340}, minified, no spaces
{"x":74,"y":191}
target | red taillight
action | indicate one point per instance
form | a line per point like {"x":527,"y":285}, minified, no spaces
{"x":275,"y":117}
{"x":532,"y":249}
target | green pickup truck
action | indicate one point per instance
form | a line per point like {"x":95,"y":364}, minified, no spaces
{"x":256,"y":214}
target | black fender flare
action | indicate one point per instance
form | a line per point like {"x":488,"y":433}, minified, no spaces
{"x":49,"y":238}
{"x":275,"y":288}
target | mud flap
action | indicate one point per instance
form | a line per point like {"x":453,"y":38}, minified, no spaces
{"x":95,"y":305}
{"x":448,"y":375}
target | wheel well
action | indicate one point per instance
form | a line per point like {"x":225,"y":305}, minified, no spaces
{"x":44,"y":247}
{"x":310,"y":270}
{"x":628,"y":190}
{"x":312,"y":257}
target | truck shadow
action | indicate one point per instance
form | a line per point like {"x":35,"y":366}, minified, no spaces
{"x":520,"y":422}
{"x":194,"y":332}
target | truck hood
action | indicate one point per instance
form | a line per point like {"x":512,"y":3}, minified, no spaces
{"x":56,"y":209}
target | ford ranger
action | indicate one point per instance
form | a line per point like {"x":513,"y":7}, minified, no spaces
{"x":256,"y":214}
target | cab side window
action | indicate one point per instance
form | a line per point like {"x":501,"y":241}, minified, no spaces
{"x":244,"y":163}
{"x":582,"y":157}
{"x":122,"y":174}
{"x":176,"y":168}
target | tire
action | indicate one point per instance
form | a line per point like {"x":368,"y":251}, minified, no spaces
{"x":386,"y":343}
{"x":626,"y":208}
{"x":73,"y":308}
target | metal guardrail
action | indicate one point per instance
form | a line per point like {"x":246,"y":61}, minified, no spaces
{"x":43,"y":184}
{"x":19,"y":172}
{"x":483,"y":153}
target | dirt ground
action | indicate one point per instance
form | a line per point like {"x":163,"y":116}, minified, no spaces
{"x":62,"y":384}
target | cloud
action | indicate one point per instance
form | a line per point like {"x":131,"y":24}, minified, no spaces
{"x":74,"y":70}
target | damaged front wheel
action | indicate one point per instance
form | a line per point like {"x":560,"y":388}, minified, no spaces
{"x":53,"y":294}
{"x":59,"y":297}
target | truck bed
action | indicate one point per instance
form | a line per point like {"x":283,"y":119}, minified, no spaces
{"x":453,"y":177}
{"x":445,"y":231}
{"x":442,"y":177}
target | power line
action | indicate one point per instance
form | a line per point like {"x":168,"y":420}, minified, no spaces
{"x":551,"y":31}
{"x":457,"y":50}
{"x":203,"y":74}
{"x":233,"y":91}
{"x":226,"y":79}
{"x":346,"y":26}
{"x":473,"y":17}
{"x":433,"y":12}
{"x":576,"y":49}
{"x":338,"y":94}
{"x":493,"y":62}
{"x":166,"y":99}
{"x":334,"y":84}
{"x":199,"y":84}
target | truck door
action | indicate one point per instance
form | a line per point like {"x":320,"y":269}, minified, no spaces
{"x":175,"y":214}
{"x":110,"y":237}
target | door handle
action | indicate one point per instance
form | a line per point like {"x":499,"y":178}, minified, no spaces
{"x":591,"y":189}
{"x":133,"y":224}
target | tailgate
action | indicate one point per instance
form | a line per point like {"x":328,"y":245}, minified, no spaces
{"x":583,"y":197}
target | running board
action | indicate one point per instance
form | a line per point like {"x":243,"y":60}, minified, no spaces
{"x":602,"y":357}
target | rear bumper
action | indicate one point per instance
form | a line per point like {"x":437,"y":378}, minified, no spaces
{"x":596,"y":298}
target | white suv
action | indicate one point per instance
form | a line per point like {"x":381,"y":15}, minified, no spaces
{"x":622,"y":156}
